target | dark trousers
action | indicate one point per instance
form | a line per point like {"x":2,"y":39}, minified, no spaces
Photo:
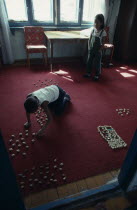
{"x":58,"y":106}
{"x":94,"y":57}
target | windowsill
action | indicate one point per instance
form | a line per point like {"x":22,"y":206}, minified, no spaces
{"x":47,"y":28}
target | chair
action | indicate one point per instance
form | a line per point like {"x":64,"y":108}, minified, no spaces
{"x":35,"y":42}
{"x":109,"y":46}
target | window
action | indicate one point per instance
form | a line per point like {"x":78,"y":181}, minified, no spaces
{"x":91,"y":8}
{"x":43,"y":10}
{"x":69,"y":11}
{"x":16,"y":10}
{"x":56,"y":13}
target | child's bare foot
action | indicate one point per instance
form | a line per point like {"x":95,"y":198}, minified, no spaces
{"x":87,"y":75}
{"x":27,"y":125}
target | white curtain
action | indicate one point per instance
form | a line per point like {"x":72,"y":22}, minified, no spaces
{"x":5,"y":35}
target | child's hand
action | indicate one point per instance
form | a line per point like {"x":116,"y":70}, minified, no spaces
{"x":40,"y":133}
{"x":27,"y":125}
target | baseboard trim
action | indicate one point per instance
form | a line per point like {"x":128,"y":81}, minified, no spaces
{"x":55,"y":60}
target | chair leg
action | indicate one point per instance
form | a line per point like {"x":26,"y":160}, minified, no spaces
{"x":111,"y":54}
{"x":28,"y":60}
{"x":103,"y":56}
{"x":45,"y":58}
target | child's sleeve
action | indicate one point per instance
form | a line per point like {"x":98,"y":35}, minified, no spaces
{"x":91,"y":33}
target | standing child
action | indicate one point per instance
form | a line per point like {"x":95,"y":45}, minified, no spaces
{"x":95,"y":46}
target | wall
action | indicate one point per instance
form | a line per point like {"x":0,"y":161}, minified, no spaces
{"x":61,"y":48}
{"x":65,"y":48}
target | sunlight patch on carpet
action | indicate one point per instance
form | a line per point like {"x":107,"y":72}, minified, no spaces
{"x":132,"y":70}
{"x":123,"y":67}
{"x":127,"y":75}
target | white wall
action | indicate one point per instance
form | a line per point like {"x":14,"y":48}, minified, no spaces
{"x":66,"y":48}
{"x":61,"y":48}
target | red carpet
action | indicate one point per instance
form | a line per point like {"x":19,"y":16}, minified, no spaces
{"x":73,"y":137}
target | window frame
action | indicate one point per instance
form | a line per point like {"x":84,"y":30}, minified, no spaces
{"x":65,"y":23}
{"x":56,"y":18}
{"x":84,"y":22}
{"x":31,"y":21}
{"x":42,"y":23}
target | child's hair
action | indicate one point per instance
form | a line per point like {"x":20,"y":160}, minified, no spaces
{"x":31,"y":104}
{"x":100,"y":18}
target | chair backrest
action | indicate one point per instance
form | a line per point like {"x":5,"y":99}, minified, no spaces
{"x":34,"y":35}
{"x":107,"y":32}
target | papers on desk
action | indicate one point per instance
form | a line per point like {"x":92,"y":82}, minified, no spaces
{"x":64,"y":35}
{"x":86,"y":32}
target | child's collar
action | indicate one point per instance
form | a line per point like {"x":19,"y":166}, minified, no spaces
{"x":97,"y":30}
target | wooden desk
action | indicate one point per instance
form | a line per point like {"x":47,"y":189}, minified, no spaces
{"x":62,"y":35}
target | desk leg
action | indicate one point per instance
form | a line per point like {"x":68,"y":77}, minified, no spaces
{"x":51,"y":55}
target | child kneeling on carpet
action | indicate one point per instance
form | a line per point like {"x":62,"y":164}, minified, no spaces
{"x":51,"y":97}
{"x":95,"y":46}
